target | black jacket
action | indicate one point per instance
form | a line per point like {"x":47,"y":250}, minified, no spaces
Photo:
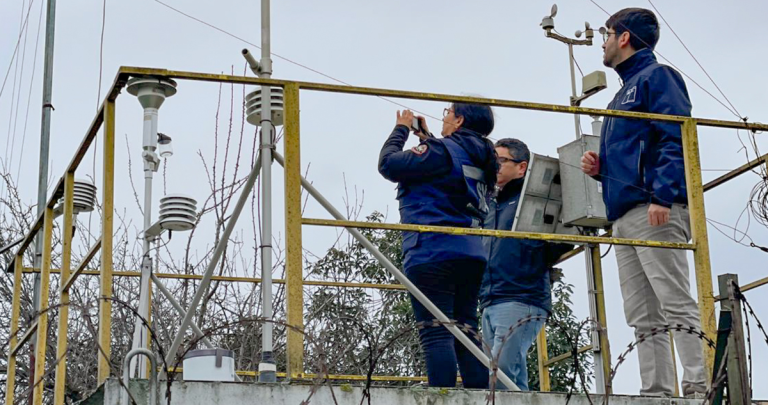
{"x":517,"y":269}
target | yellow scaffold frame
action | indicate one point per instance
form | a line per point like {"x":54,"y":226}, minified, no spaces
{"x":293,"y":226}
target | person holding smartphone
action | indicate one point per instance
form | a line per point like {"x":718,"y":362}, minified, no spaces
{"x":446,"y":182}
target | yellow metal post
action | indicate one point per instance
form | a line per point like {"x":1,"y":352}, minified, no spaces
{"x":10,"y":383}
{"x":105,"y":305}
{"x":66,"y":259}
{"x":602,"y":318}
{"x":293,"y":265}
{"x":699,"y":236}
{"x":42,"y":319}
{"x":543,"y":356}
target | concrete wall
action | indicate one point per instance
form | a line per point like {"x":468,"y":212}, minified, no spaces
{"x":204,"y":393}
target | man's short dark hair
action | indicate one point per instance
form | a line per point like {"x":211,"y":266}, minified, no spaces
{"x":478,"y":118}
{"x":642,"y":25}
{"x":517,"y":148}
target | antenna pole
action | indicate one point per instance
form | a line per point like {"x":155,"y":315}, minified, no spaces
{"x":591,"y":253}
{"x":151,"y":94}
{"x":267,"y":366}
{"x":42,"y":183}
{"x":576,"y":118}
{"x":151,"y":162}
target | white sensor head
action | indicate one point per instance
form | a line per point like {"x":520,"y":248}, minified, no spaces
{"x":548,"y":22}
{"x":150,"y":91}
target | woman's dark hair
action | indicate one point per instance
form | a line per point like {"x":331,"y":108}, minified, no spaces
{"x":478,"y":118}
{"x":642,"y":25}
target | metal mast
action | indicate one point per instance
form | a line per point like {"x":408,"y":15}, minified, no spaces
{"x":267,"y":367}
{"x":45,"y":139}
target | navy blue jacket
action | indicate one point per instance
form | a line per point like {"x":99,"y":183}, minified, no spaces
{"x":641,"y":161}
{"x":442,"y":182}
{"x":517,"y":269}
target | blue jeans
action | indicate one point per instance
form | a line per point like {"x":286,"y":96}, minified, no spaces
{"x":497,"y":319}
{"x":453,"y":286}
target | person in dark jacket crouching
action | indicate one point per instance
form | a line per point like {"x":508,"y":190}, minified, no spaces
{"x":445,"y":182}
{"x":516,"y":284}
{"x":642,"y":171}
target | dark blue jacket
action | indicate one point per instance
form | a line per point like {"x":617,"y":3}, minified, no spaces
{"x":641,"y":161}
{"x":442,"y":182}
{"x":517,"y":269}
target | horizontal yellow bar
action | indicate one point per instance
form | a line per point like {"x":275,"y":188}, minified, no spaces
{"x":233,"y":279}
{"x":335,"y":88}
{"x":551,"y":237}
{"x":557,"y":359}
{"x":127,"y":71}
{"x":754,"y":284}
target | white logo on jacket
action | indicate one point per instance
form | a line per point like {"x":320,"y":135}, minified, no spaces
{"x":630,"y":96}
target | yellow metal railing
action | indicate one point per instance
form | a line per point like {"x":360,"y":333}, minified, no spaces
{"x":294,"y":282}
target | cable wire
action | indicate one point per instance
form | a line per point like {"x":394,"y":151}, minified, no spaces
{"x":6,"y":164}
{"x":15,"y":50}
{"x":98,"y":95}
{"x":694,"y":59}
{"x":101,"y":50}
{"x":289,"y":60}
{"x":577,"y":65}
{"x":29,"y":96}
{"x":674,"y":66}
{"x":14,"y":100}
{"x":18,"y":96}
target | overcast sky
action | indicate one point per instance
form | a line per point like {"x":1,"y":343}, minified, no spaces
{"x":492,"y":48}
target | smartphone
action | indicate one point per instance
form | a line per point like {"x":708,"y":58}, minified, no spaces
{"x":416,"y":125}
{"x":418,"y":130}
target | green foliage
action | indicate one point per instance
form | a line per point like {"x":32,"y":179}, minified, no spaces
{"x":559,"y":343}
{"x":350,"y":321}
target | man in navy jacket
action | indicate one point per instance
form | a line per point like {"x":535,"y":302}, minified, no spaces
{"x":516,"y":284}
{"x":642,"y":172}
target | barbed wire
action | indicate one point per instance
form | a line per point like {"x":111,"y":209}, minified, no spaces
{"x":375,"y":348}
{"x":754,"y":316}
{"x":85,"y":311}
{"x":749,"y":346}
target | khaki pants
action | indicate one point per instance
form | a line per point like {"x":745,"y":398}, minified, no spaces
{"x":656,"y":292}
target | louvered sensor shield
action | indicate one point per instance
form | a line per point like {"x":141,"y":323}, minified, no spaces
{"x":253,"y":105}
{"x":178,"y":212}
{"x":84,"y":198}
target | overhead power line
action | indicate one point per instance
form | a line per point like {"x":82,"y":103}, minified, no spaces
{"x":225,"y":32}
{"x":29,"y":96}
{"x":732,"y":111}
{"x":694,"y":59}
{"x":16,"y":49}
